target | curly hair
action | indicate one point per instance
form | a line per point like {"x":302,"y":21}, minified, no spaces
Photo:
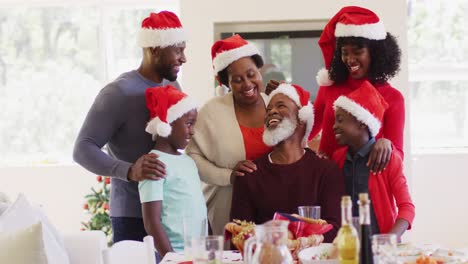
{"x":385,"y":58}
{"x":223,"y":75}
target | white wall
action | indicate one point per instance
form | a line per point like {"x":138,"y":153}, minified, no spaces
{"x":59,"y":189}
{"x":441,"y":198}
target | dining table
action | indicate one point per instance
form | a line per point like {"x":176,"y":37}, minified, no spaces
{"x":229,"y":257}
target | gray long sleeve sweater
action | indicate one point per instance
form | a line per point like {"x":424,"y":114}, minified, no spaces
{"x":117,"y":118}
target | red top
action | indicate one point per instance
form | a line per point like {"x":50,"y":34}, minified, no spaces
{"x":393,"y":122}
{"x":388,"y":192}
{"x":253,"y":142}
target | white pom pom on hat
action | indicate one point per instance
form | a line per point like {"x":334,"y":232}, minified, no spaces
{"x":166,"y":104}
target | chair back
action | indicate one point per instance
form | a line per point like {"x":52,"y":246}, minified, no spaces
{"x":129,"y":252}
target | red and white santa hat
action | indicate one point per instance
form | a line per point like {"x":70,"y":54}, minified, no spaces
{"x":301,"y":97}
{"x":226,"y":51}
{"x":366,"y":104}
{"x":166,"y":104}
{"x":350,"y":21}
{"x":161,"y":29}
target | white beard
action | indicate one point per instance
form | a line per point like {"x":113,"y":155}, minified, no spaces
{"x":285,"y":129}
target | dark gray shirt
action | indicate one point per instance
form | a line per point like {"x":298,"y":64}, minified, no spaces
{"x":356,"y":174}
{"x":118,"y":118}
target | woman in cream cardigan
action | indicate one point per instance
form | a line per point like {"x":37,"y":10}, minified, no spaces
{"x":229,"y":128}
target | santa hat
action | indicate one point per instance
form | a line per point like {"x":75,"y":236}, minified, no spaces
{"x":350,"y":21}
{"x":161,"y":29}
{"x":366,"y":104}
{"x":166,"y":104}
{"x":226,"y":51}
{"x":301,"y":97}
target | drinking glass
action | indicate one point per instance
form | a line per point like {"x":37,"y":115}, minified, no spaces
{"x":208,"y":249}
{"x":194,"y":228}
{"x":309,"y":211}
{"x":384,"y":248}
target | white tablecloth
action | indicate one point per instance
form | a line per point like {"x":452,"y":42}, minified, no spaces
{"x":228,"y":257}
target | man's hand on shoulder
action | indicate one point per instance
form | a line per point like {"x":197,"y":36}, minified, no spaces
{"x":147,"y":167}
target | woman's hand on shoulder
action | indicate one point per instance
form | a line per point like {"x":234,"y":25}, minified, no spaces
{"x":271,"y":86}
{"x":243,"y":167}
{"x":380,"y":155}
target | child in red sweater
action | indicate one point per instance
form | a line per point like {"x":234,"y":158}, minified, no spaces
{"x":358,"y":119}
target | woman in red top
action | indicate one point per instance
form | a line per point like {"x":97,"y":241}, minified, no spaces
{"x":364,"y":51}
{"x":229,"y":128}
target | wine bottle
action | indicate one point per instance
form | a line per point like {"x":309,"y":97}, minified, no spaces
{"x":366,"y":256}
{"x":347,"y":239}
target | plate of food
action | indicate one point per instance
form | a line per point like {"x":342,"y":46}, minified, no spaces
{"x":325,"y":253}
{"x":428,"y":254}
{"x":408,"y":253}
{"x":302,"y":232}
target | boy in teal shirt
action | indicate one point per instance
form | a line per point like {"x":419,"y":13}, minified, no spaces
{"x":167,"y":203}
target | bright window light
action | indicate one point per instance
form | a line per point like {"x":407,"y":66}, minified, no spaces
{"x":53,"y":62}
{"x":438,"y":67}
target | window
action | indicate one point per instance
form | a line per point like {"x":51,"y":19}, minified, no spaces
{"x":53,"y":62}
{"x":290,"y":52}
{"x":438,"y":66}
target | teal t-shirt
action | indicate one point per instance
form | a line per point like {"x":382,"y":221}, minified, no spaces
{"x":181,"y":196}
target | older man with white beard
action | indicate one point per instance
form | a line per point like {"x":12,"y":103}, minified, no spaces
{"x":291,"y":175}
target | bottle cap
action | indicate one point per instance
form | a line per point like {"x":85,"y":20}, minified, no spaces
{"x":364,"y":198}
{"x":346,"y":199}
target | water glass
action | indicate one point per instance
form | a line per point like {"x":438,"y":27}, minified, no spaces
{"x":309,"y":211}
{"x":194,"y":228}
{"x":208,"y":249}
{"x":384,"y":248}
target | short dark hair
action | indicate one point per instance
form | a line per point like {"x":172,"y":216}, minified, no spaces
{"x":223,"y":76}
{"x":385,"y":58}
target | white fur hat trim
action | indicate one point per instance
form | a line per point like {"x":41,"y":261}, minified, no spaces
{"x":223,"y":59}
{"x":149,"y":38}
{"x":360,"y":113}
{"x":375,"y":31}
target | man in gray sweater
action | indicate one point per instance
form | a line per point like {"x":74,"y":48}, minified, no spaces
{"x":118,"y":118}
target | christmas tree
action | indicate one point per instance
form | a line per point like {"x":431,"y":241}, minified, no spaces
{"x":97,"y":207}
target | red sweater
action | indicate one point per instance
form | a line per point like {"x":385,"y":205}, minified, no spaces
{"x":393,"y":122}
{"x":385,"y":190}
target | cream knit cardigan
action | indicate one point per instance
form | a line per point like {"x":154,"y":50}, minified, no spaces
{"x":217,"y":146}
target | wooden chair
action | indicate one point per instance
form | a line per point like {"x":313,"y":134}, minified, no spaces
{"x":129,"y":252}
